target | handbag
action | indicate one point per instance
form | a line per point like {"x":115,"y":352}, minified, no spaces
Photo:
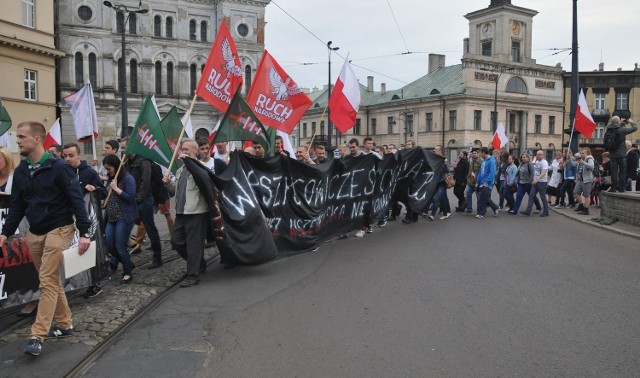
{"x":449,"y":181}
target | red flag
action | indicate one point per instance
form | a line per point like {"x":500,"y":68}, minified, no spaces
{"x":275,"y":98}
{"x":345,"y":99}
{"x":584,"y":122}
{"x":222,"y":74}
{"x":53,"y":136}
{"x":499,"y":137}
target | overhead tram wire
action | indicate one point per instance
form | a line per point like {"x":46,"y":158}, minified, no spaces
{"x":398,"y":26}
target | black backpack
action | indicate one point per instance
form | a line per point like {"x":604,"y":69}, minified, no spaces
{"x":596,"y":168}
{"x":158,"y":190}
{"x":611,"y":139}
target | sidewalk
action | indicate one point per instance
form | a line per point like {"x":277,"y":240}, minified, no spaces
{"x":96,"y":318}
{"x":594,"y":213}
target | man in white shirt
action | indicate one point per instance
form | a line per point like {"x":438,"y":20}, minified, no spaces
{"x":539,"y":184}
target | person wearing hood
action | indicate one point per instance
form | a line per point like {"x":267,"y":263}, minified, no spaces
{"x":486,"y":180}
{"x":618,"y":155}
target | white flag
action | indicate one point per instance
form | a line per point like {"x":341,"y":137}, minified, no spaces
{"x":83,"y":112}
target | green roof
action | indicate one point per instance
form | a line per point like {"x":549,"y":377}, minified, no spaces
{"x":443,"y":82}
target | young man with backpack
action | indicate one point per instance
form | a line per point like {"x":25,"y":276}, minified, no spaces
{"x":584,"y":164}
{"x":614,"y":143}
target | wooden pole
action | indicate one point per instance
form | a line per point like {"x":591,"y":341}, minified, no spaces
{"x":115,"y":177}
{"x":184,"y":125}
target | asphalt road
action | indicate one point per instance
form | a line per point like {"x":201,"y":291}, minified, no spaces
{"x":507,"y":296}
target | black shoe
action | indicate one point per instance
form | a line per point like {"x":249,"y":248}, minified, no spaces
{"x":579,"y":208}
{"x":392,"y":218}
{"x":584,"y":212}
{"x":58,"y":333}
{"x":33,"y":347}
{"x":525,"y":213}
{"x":189,"y":282}
{"x":406,"y":220}
{"x":544,"y":214}
{"x":92,"y":291}
{"x":155,"y":265}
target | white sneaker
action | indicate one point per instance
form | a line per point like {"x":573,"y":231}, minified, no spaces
{"x":446,"y":216}
{"x":360,"y":234}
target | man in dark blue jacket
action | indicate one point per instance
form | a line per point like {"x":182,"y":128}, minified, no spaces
{"x":484,"y":183}
{"x":47,"y":192}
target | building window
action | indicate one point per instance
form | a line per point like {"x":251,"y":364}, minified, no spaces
{"x":158,"y":78}
{"x":477,"y":119}
{"x":121,"y":74}
{"x":599,"y":132}
{"x":374,"y":126}
{"x":29,"y":13}
{"x":243,"y":30}
{"x":93,"y":69}
{"x":169,"y":28}
{"x":516,"y":85}
{"x":133,"y":23}
{"x":322,"y":128}
{"x":486,"y":48}
{"x":515,"y":51}
{"x":599,"y":104}
{"x":429,"y":123}
{"x":313,"y":128}
{"x":453,"y":115}
{"x":408,"y":124}
{"x":79,"y":69}
{"x":552,"y":124}
{"x":512,"y":122}
{"x":119,"y":22}
{"x":192,"y":78}
{"x":356,"y":128}
{"x":391,"y":125}
{"x":133,"y":75}
{"x":30,"y":86}
{"x":192,"y":30}
{"x":170,"y":79}
{"x":203,"y":31}
{"x":85,"y":13}
{"x":622,"y":101}
{"x":247,"y":79}
{"x":157,"y":26}
{"x":304,"y":130}
{"x":538,"y":124}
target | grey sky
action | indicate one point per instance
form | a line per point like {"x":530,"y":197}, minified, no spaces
{"x":366,"y":29}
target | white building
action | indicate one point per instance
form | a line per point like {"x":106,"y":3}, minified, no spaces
{"x":166,"y":49}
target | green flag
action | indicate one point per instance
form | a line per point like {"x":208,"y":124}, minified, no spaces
{"x":5,"y":120}
{"x":171,"y":127}
{"x":147,"y":138}
{"x":239,"y":123}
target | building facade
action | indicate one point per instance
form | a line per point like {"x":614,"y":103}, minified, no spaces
{"x":27,"y":62}
{"x":608,"y":94}
{"x":166,"y":50}
{"x":453,"y":105}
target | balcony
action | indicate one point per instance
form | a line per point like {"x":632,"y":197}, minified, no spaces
{"x":600,"y":112}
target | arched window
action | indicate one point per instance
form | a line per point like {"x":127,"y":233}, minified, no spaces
{"x":93,"y":69}
{"x":192,"y":78}
{"x":133,"y":23}
{"x":157,"y":26}
{"x":79,"y":69}
{"x":133,"y":75}
{"x":203,"y":31}
{"x":516,"y":85}
{"x":247,"y":78}
{"x":170,"y":78}
{"x":158,"y":78}
{"x":119,"y":22}
{"x":192,"y":30}
{"x":121,"y":74}
{"x":169,"y":31}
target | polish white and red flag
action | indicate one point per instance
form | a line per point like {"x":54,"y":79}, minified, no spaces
{"x":345,"y":99}
{"x":83,"y":111}
{"x":584,"y":122}
{"x":499,"y":139}
{"x":54,"y":136}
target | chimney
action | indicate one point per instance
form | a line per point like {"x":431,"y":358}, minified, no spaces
{"x":497,"y":3}
{"x":465,"y":46}
{"x":601,"y":67}
{"x":436,"y":61}
{"x":370,"y":83}
{"x":383,"y":88}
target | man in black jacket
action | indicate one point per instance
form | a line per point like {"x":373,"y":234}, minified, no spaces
{"x":46,"y":191}
{"x":460,"y":173}
{"x":618,"y":156}
{"x":140,"y":168}
{"x":632,"y":166}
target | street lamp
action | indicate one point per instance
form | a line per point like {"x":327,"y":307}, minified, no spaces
{"x":494,"y":115}
{"x":119,"y":8}
{"x":329,"y":125}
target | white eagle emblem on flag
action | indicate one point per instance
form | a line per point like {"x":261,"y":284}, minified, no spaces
{"x":282,"y":89}
{"x":231,"y":66}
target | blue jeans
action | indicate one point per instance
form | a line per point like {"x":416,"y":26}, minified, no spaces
{"x":522,"y":190}
{"x":117,"y":235}
{"x":567,"y":188}
{"x":507,"y":195}
{"x":539,"y":189}
{"x":468,"y":194}
{"x":440,"y":199}
{"x":501,"y":193}
{"x":484,"y":200}
{"x":146,"y":215}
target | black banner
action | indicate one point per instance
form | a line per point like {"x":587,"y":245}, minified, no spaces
{"x":280,"y":204}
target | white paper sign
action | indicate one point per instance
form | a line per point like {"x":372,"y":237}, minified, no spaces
{"x":74,"y":263}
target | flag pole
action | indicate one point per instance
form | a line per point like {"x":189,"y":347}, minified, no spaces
{"x":184,"y":125}
{"x":116,"y":177}
{"x":314,"y":131}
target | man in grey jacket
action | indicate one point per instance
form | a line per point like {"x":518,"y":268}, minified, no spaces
{"x":584,"y":164}
{"x":618,"y":156}
{"x":192,"y":216}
